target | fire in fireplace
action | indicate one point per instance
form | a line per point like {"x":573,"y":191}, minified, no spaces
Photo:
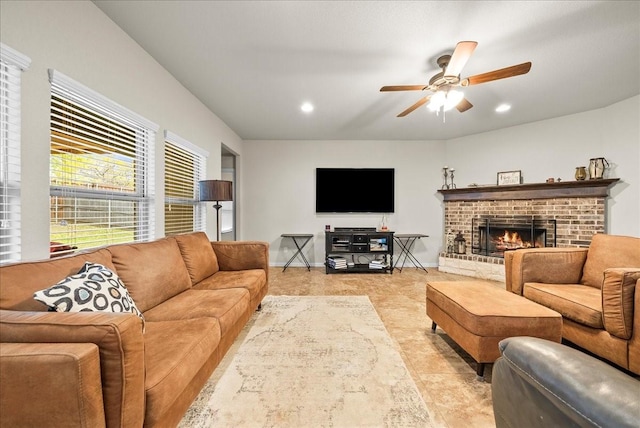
{"x":492,"y":236}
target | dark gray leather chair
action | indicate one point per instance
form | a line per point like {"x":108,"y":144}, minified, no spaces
{"x":539,"y":383}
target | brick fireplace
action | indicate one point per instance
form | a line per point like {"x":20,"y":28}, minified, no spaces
{"x":574,"y":211}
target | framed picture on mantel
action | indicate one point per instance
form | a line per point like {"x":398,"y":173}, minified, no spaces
{"x":509,"y":178}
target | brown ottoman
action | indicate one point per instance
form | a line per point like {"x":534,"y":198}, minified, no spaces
{"x":477,"y":315}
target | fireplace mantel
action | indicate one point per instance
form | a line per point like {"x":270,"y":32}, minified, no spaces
{"x":562,"y":189}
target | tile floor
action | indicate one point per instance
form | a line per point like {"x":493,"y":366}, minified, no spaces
{"x":443,"y":372}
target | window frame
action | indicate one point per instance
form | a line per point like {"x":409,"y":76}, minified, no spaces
{"x":12,"y":65}
{"x":88,"y":111}
{"x":199,"y":170}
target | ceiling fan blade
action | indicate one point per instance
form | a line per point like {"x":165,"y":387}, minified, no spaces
{"x":403,"y":88}
{"x":420,"y":102}
{"x":464,"y":105}
{"x":503,"y":73}
{"x":460,"y":56}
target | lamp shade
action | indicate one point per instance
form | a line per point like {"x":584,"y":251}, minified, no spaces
{"x":216,"y":190}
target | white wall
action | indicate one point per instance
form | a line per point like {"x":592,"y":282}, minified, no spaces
{"x":76,"y":38}
{"x":553,"y":148}
{"x":279,"y":191}
{"x":279,"y":175}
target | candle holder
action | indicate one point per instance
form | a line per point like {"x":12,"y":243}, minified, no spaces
{"x":451,"y":171}
{"x":445,"y":176}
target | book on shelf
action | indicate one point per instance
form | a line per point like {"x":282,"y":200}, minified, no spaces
{"x":378,"y":264}
{"x":337,"y":262}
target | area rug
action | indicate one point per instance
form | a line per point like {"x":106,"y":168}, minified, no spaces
{"x":313,"y":361}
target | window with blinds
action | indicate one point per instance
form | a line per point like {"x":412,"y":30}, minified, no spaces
{"x":101,"y":170}
{"x":184,"y":166}
{"x":12,"y":63}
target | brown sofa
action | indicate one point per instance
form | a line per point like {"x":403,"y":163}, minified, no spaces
{"x":195,"y":296}
{"x":595,"y":289}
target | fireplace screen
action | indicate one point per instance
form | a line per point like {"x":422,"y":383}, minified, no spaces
{"x":492,"y":236}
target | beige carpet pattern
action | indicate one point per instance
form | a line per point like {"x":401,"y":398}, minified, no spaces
{"x":313,"y":361}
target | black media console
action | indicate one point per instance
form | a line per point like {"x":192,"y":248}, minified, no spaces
{"x":358,"y":249}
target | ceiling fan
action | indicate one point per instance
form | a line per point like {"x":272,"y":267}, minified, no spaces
{"x":443,"y":85}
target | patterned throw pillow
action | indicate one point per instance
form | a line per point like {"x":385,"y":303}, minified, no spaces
{"x":94,"y":289}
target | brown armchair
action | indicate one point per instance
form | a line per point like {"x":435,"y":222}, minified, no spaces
{"x":595,"y":289}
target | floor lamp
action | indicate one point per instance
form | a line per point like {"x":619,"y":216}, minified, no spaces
{"x":216,"y":190}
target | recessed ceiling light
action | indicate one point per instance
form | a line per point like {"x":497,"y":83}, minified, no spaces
{"x":306,"y":107}
{"x":503,"y":107}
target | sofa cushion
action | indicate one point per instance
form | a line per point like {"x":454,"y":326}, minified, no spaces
{"x":94,"y":289}
{"x":609,"y":251}
{"x":19,"y":281}
{"x":254,"y":280}
{"x":576,"y":302}
{"x":153,"y":271}
{"x":198,"y":255}
{"x":618,"y":289}
{"x":227,"y":306}
{"x":174,"y":352}
{"x":241,"y":255}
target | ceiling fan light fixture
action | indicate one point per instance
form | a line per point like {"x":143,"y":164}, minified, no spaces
{"x":445,"y":100}
{"x":436,"y":101}
{"x":502,"y":108}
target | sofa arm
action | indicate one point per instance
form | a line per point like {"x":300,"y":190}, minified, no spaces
{"x":121,"y":347}
{"x":242,"y":255}
{"x":45,"y":372}
{"x":546,"y":265}
{"x":539,"y":383}
{"x":618,"y":290}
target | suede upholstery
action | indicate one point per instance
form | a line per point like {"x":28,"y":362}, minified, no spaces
{"x":69,"y":370}
{"x":478,"y":315}
{"x":595,"y":289}
{"x":576,"y":302}
{"x":253,"y":280}
{"x":158,"y":274}
{"x":119,"y":339}
{"x":198,"y":255}
{"x":609,"y":251}
{"x":21,"y":280}
{"x":131,"y":378}
{"x":618,"y":288}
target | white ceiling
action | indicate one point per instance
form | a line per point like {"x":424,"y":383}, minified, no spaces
{"x":253,"y":63}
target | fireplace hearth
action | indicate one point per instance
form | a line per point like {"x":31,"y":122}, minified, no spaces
{"x":493,"y":235}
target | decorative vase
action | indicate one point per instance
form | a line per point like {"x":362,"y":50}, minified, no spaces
{"x":383,"y":223}
{"x":597,"y":167}
{"x":581,"y":173}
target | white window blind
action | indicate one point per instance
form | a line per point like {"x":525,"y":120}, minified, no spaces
{"x":12,"y":63}
{"x":101,"y":170}
{"x":184,"y":166}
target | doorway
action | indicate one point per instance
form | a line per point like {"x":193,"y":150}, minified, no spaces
{"x":228,"y":210}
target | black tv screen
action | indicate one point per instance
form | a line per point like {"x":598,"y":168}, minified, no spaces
{"x":355,"y":190}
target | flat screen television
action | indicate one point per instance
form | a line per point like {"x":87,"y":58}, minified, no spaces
{"x":355,"y":190}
